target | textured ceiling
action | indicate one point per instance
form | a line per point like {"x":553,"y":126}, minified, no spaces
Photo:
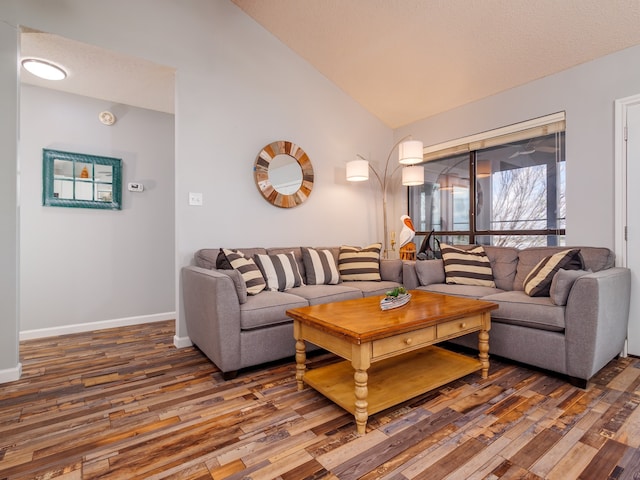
{"x":405,"y":60}
{"x":99,"y":73}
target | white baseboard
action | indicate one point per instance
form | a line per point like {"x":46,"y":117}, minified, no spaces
{"x":11,"y":374}
{"x":87,"y":327}
{"x":182,"y":342}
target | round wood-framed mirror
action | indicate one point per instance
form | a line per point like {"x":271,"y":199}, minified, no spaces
{"x":283,"y":174}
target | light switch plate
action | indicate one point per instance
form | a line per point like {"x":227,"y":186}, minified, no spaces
{"x":195,"y":198}
{"x":135,"y":187}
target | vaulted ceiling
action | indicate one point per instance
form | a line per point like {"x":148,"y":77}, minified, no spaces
{"x":405,"y":60}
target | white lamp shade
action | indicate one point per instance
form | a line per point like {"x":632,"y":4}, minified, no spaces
{"x":411,"y":152}
{"x":412,"y":176}
{"x":357,"y":170}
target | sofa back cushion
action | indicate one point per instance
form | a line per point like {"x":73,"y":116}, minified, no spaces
{"x":391,"y":269}
{"x":504,"y":263}
{"x":595,"y":259}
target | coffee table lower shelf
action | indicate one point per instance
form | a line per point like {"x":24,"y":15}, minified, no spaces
{"x":393,"y":380}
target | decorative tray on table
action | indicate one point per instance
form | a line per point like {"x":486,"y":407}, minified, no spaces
{"x":395,"y":298}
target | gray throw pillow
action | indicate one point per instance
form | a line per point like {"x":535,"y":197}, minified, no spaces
{"x":561,"y":284}
{"x":238,"y":281}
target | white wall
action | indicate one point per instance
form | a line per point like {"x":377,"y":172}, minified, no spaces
{"x":237,"y":89}
{"x":9,"y":248}
{"x":83,"y":265}
{"x":586,"y":93}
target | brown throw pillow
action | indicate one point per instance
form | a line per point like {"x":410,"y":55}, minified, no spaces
{"x":467,"y":267}
{"x":538,"y":282}
{"x":250,"y":272}
{"x":359,"y":264}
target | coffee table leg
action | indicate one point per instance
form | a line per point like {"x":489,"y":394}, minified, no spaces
{"x":362,"y":391}
{"x":483,"y":348}
{"x":301,"y":358}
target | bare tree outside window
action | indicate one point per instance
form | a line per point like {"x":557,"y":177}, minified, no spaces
{"x":519,"y":202}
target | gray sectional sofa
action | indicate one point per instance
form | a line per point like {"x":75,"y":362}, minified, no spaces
{"x":236,"y":330}
{"x":575,"y":339}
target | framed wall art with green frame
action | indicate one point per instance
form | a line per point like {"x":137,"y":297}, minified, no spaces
{"x":80,"y":180}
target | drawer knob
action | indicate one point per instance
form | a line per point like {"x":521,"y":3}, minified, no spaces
{"x":463,"y":325}
{"x":408,"y":341}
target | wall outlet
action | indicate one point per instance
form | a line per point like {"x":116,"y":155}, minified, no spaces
{"x":195,"y":198}
{"x":135,"y":187}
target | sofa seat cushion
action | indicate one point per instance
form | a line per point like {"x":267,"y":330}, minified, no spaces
{"x":372,"y":289}
{"x":518,"y":308}
{"x":469,"y":291}
{"x":316,"y":294}
{"x":268,"y":308}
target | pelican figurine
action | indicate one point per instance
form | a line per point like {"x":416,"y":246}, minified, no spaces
{"x":408,"y":231}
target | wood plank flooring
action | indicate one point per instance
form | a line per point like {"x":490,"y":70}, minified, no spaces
{"x":125,"y":404}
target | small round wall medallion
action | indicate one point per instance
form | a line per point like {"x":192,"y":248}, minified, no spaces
{"x":107,"y":117}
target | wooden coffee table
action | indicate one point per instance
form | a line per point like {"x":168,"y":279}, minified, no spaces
{"x":389,"y":355}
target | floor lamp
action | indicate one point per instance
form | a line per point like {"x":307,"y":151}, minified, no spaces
{"x":410,"y":152}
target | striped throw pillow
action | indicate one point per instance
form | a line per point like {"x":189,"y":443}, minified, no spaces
{"x":320,"y":267}
{"x":359,"y":264}
{"x":250,"y":272}
{"x":280,"y":271}
{"x":467,"y":267}
{"x":538,"y":282}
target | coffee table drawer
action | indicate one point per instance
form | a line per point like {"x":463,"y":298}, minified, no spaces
{"x":454,"y":327}
{"x":406,"y":341}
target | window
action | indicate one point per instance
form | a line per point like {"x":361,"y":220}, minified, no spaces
{"x":504,"y":188}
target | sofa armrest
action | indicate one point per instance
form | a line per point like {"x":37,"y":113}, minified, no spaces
{"x":596,"y":320}
{"x":212,"y":315}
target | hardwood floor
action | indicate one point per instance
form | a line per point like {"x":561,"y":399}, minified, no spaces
{"x":124,"y":403}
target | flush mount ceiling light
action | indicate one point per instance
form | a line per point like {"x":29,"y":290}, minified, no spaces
{"x":44,"y":69}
